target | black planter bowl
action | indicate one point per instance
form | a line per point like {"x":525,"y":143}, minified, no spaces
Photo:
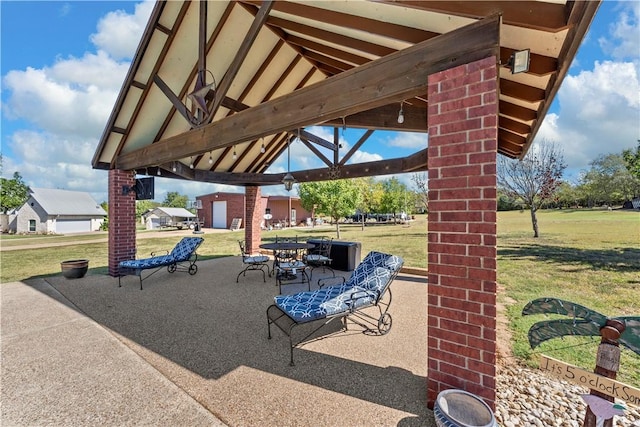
{"x":75,"y":268}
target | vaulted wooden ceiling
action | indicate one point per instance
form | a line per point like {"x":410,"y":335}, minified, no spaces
{"x":281,"y":66}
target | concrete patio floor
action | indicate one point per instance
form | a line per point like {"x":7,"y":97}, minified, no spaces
{"x":193,"y":350}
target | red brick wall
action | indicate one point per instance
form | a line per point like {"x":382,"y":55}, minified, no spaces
{"x":235,"y":207}
{"x":463,"y":114}
{"x":122,"y":219}
{"x":254,"y":215}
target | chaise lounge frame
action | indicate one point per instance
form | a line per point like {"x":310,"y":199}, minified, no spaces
{"x":183,"y":257}
{"x":368,"y":286}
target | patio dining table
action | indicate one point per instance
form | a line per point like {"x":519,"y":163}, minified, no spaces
{"x":289,"y":269}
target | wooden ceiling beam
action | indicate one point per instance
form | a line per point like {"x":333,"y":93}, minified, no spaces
{"x":514,"y":125}
{"x":328,"y":36}
{"x":537,"y":15}
{"x":398,"y":76}
{"x":517,"y":111}
{"x":257,"y":24}
{"x":356,"y":146}
{"x":329,"y":51}
{"x":413,"y":163}
{"x":386,"y":118}
{"x":521,"y":91}
{"x":354,"y":22}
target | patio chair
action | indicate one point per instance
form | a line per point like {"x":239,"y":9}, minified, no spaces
{"x":320,"y":256}
{"x":368,"y":286}
{"x":255,"y":262}
{"x":288,"y":269}
{"x":183,"y":257}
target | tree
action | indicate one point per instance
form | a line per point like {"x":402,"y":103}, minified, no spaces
{"x":394,"y":199}
{"x":632,"y":161}
{"x":534,"y":179}
{"x":13,"y":193}
{"x":175,"y":200}
{"x":421,"y":183}
{"x":370,"y":196}
{"x":335,"y":199}
{"x":609,"y":180}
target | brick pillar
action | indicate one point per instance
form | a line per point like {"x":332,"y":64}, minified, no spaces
{"x":122,"y":219}
{"x":463,"y":131}
{"x":253,"y":215}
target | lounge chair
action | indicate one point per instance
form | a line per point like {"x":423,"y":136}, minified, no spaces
{"x":367,"y":286}
{"x":183,"y":257}
{"x":252,"y":262}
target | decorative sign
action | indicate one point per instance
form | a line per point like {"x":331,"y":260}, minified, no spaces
{"x":608,"y":357}
{"x":590,"y":380}
{"x":235,"y":224}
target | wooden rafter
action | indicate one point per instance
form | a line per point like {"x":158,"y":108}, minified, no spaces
{"x":395,"y":77}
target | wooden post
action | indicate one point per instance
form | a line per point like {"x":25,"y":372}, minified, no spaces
{"x":607,"y":365}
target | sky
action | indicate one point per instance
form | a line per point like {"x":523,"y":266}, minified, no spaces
{"x":62,"y":65}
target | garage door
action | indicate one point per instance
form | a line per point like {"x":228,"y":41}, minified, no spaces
{"x":219,"y":214}
{"x":73,"y":226}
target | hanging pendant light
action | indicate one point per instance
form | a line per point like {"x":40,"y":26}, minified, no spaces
{"x":235,"y":156}
{"x":210,"y":159}
{"x":288,"y":179}
{"x":262,"y":149}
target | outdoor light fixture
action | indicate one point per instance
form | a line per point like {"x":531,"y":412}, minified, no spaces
{"x":191,"y":163}
{"x":401,"y":114}
{"x":519,"y":62}
{"x":210,"y":159}
{"x":235,"y":156}
{"x":174,"y":168}
{"x":262,"y":149}
{"x":288,"y":179}
{"x":159,"y":171}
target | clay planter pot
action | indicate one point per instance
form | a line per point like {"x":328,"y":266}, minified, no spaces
{"x":75,"y":268}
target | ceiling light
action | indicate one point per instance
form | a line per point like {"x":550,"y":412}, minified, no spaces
{"x":288,"y":179}
{"x":210,"y":159}
{"x":262,"y":149}
{"x":401,"y":114}
{"x":235,"y":156}
{"x":191,"y":163}
{"x":174,"y":168}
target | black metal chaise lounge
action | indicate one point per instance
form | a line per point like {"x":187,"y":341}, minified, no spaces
{"x":367,"y":286}
{"x":183,"y":257}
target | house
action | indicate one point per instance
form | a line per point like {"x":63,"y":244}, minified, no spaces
{"x":53,"y":211}
{"x":169,"y":217}
{"x":219,"y":209}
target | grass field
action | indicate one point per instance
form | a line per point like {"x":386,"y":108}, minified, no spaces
{"x":590,"y":257}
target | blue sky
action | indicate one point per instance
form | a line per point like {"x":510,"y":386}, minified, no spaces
{"x":63,"y":63}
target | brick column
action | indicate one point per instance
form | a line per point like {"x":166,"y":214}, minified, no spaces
{"x":122,"y":219}
{"x":463,"y":131}
{"x":253,"y":215}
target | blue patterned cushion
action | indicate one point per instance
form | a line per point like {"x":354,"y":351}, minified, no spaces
{"x":182,"y":252}
{"x":371,"y":278}
{"x":185,"y":248}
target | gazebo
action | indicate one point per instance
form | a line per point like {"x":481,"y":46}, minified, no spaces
{"x":217,"y":89}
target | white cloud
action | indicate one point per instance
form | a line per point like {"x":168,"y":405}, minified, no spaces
{"x":624,"y":42}
{"x":412,"y":140}
{"x":599,"y":114}
{"x":119,"y":33}
{"x":69,"y":104}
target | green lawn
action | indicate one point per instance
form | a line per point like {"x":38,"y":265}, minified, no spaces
{"x":590,"y":257}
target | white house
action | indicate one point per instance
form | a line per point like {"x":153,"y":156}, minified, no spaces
{"x":52,"y":211}
{"x":168,"y":217}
